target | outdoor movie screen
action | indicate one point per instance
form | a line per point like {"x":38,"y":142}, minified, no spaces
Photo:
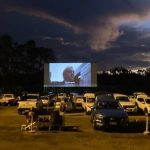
{"x":70,"y":75}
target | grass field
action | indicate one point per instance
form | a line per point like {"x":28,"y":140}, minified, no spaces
{"x":11,"y":138}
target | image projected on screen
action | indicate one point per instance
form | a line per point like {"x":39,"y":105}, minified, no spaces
{"x":69,"y":75}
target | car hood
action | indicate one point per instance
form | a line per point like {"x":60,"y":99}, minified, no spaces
{"x":112,"y":112}
{"x":90,"y":104}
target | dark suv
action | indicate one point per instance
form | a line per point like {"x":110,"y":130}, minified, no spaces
{"x":107,"y":112}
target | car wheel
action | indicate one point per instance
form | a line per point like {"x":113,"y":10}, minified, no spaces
{"x":85,"y":111}
{"x":95,"y":127}
{"x":9,"y":104}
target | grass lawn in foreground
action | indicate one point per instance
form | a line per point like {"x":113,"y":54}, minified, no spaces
{"x":11,"y":138}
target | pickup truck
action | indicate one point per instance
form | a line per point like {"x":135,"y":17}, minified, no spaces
{"x":8,"y":99}
{"x":28,"y":102}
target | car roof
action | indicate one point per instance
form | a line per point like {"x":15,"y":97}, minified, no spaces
{"x":106,"y":99}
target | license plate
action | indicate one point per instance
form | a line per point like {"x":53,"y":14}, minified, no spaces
{"x":113,"y":123}
{"x":26,"y":110}
{"x":99,"y":124}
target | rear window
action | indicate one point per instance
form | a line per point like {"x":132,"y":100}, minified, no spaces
{"x":90,"y":100}
{"x":122,"y":98}
{"x":108,"y":105}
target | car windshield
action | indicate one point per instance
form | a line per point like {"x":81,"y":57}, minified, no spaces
{"x":90,"y":100}
{"x":122,"y":98}
{"x":108,"y":105}
{"x":104,"y":96}
{"x":148,"y":101}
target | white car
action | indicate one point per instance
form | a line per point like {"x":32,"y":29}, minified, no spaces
{"x":87,"y":104}
{"x":45,"y":100}
{"x":8,"y":99}
{"x":129,"y":106}
{"x":29,"y":101}
{"x":137,"y":95}
{"x":144,"y":104}
{"x":58,"y":103}
{"x":78,"y":100}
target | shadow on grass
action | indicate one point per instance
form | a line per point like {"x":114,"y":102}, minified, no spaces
{"x":75,"y":113}
{"x":64,"y":128}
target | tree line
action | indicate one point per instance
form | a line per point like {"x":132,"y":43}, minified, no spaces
{"x":22,"y":65}
{"x":120,"y":79}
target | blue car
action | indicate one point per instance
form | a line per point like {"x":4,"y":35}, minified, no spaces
{"x":107,"y":112}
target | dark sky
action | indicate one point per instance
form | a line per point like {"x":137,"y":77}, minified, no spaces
{"x":109,"y":32}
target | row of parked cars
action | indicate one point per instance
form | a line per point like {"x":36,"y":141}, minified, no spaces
{"x":131,"y":104}
{"x":142,"y":101}
{"x":105,"y":108}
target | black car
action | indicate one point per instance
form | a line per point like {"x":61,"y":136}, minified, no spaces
{"x":108,"y":112}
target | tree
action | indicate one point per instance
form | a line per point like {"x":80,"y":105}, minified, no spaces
{"x":22,"y":64}
{"x":6,"y":51}
{"x":119,"y":70}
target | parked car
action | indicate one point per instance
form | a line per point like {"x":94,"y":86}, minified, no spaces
{"x":129,"y":106}
{"x":108,"y":112}
{"x":58,"y":103}
{"x":143,"y":103}
{"x":27,"y":102}
{"x":136,"y":95}
{"x":87,"y":104}
{"x":78,"y":100}
{"x":8,"y":100}
{"x":45,"y":100}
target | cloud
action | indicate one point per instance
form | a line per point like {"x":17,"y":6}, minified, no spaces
{"x":141,"y":56}
{"x":43,"y":15}
{"x":99,"y":20}
{"x":102,"y":37}
{"x":61,"y":41}
{"x":104,"y":34}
